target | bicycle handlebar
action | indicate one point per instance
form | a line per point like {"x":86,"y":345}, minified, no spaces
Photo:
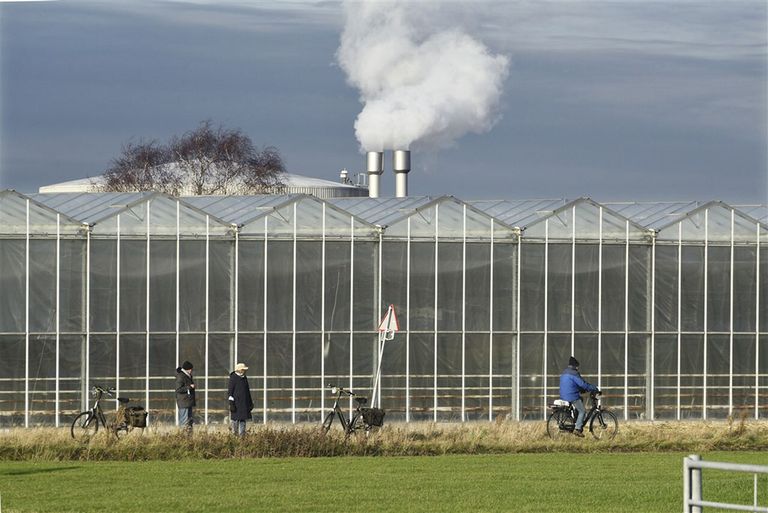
{"x":340,"y":390}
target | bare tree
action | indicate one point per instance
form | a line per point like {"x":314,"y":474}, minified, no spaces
{"x":207,"y":160}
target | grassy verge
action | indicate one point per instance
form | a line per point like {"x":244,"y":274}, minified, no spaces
{"x":625,"y":482}
{"x":392,"y":440}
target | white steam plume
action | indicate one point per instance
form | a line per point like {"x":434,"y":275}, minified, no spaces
{"x":420,"y":82}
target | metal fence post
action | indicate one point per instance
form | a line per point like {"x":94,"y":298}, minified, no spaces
{"x":692,"y":484}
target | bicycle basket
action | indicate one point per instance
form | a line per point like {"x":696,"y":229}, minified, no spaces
{"x":373,"y":416}
{"x":137,"y":416}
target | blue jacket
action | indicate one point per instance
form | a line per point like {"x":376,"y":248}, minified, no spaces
{"x":571,"y":383}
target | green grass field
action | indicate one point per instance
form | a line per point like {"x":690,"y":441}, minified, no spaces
{"x":604,"y":482}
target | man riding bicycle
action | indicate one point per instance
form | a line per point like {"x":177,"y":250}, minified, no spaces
{"x":571,"y":386}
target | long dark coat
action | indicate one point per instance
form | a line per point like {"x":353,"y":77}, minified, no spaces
{"x":185,"y":395}
{"x":238,"y":388}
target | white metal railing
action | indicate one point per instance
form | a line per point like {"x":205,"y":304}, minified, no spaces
{"x":692,"y":485}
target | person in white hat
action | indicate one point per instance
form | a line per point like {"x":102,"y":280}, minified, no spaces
{"x":240,"y":401}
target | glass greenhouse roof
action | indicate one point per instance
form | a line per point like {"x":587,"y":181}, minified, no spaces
{"x":253,"y":214}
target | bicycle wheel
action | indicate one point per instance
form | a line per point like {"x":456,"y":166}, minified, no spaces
{"x":328,"y":421}
{"x":604,"y":425}
{"x":84,"y":426}
{"x":559,"y":423}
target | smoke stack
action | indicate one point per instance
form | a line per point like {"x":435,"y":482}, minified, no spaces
{"x":402,"y":165}
{"x":375,"y":166}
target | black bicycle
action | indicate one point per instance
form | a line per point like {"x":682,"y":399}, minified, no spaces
{"x":363,"y":418}
{"x":127,"y":418}
{"x":602,"y":423}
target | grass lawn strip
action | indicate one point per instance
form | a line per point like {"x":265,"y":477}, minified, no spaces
{"x":625,"y":482}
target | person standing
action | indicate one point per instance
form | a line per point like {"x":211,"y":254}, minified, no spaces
{"x":185,"y":396}
{"x":240,"y":401}
{"x":571,"y":386}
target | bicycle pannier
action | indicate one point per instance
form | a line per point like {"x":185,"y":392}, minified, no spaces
{"x":373,"y":416}
{"x":137,"y":416}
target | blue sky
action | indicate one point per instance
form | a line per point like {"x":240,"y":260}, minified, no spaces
{"x":615,"y":100}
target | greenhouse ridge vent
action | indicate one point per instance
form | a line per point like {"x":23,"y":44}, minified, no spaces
{"x":663,"y":303}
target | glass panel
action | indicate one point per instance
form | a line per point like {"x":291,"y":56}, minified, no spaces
{"x":614,"y":285}
{"x":12,"y":354}
{"x":309,"y":386}
{"x":133,"y":367}
{"x":451,"y":220}
{"x":531,"y":377}
{"x":309,"y":219}
{"x":72,"y":285}
{"x":162,"y":378}
{"x":692,"y":301}
{"x":718,"y":370}
{"x":587,"y":287}
{"x":12,"y":283}
{"x":279,"y":222}
{"x":221,"y":285}
{"x":338,"y":272}
{"x":691,"y":376}
{"x":364,"y":360}
{"x":71,"y":376}
{"x":477,"y":376}
{"x":221,"y":361}
{"x":162,"y":285}
{"x":559,"y":287}
{"x":192,"y":285}
{"x":763,"y":378}
{"x":639,"y":364}
{"x":478,"y":287}
{"x":449,"y":286}
{"x":102,"y":357}
{"x":612,"y":373}
{"x":587,"y":221}
{"x":449,"y":352}
{"x":744,"y":376}
{"x":719,"y":224}
{"x":744,"y":298}
{"x":639,"y":288}
{"x":337,"y":224}
{"x":279,"y":285}
{"x":585,"y":350}
{"x":615,"y":228}
{"x":279,"y":369}
{"x":504,"y":378}
{"x":560,"y":225}
{"x":393,"y":378}
{"x":532,"y":286}
{"x":251,"y":290}
{"x":133,"y":285}
{"x":365,"y":305}
{"x":718,"y":288}
{"x":13,"y":214}
{"x":422,"y":306}
{"x":422,"y":354}
{"x":422,"y":224}
{"x":478,"y":226}
{"x":666,"y":288}
{"x":665,"y":377}
{"x":763,"y":288}
{"x":309,"y":285}
{"x":504,"y":287}
{"x":42,"y":286}
{"x":336,"y":348}
{"x":42,"y":380}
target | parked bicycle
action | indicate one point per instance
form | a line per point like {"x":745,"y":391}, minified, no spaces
{"x":602,"y":423}
{"x":127,"y":418}
{"x":363,"y":418}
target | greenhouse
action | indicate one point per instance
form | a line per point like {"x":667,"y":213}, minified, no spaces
{"x":664,"y":304}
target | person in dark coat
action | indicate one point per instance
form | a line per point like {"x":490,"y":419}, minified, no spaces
{"x":185,"y":396}
{"x":240,"y":401}
{"x":571,"y":386}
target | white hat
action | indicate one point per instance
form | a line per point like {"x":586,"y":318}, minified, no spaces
{"x":241,"y":367}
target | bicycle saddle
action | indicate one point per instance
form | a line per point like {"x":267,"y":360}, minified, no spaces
{"x":361,"y":400}
{"x":123,"y":399}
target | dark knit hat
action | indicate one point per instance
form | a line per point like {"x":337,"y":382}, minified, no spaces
{"x":573,"y":362}
{"x":186,"y":365}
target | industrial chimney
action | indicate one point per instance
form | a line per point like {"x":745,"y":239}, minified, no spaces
{"x":375,"y":168}
{"x":401,"y":162}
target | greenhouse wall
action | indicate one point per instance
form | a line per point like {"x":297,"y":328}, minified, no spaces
{"x":669,"y":321}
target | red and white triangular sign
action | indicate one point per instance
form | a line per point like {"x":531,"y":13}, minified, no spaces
{"x":389,"y":322}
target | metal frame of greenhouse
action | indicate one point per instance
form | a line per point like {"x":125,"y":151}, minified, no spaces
{"x":663,"y":304}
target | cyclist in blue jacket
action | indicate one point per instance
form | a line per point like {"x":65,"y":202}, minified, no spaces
{"x":571,"y":386}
